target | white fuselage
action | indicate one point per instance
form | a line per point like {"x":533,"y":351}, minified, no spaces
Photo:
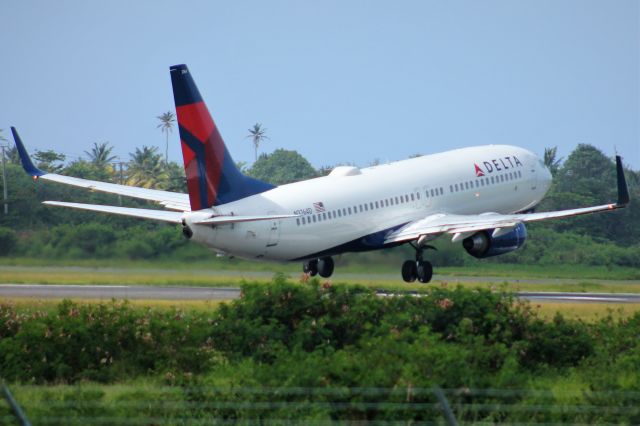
{"x":352,"y":209}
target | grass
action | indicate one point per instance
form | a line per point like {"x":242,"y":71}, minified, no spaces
{"x":28,"y":305}
{"x":589,"y":312}
{"x":82,"y":275}
{"x":349,"y":264}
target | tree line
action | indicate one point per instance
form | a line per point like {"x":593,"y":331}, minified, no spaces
{"x":586,"y":177}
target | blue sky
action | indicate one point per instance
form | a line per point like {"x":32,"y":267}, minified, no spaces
{"x":338,"y":81}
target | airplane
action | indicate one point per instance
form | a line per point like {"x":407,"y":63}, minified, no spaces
{"x":480,"y":196}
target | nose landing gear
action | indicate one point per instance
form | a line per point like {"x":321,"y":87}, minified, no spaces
{"x":323,"y":266}
{"x":419,"y":269}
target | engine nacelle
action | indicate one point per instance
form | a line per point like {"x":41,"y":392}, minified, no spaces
{"x":482,"y":244}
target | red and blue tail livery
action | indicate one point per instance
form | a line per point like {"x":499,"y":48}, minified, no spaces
{"x":212,"y":176}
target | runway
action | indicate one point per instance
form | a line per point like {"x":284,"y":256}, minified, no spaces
{"x":106,"y":292}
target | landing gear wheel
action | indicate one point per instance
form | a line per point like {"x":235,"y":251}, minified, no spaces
{"x":409,"y":271}
{"x":424,"y":271}
{"x":325,"y":267}
{"x":310,"y":267}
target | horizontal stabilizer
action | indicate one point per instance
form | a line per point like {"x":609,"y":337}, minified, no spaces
{"x":161,"y":215}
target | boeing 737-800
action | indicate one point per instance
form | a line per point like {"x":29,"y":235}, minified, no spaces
{"x":481,"y":196}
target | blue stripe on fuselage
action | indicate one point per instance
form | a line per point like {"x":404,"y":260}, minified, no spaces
{"x":373,"y":241}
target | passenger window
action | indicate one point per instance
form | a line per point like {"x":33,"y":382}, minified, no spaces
{"x":456,"y":186}
{"x":366,"y":207}
{"x":450,"y":188}
{"x":324,"y":216}
{"x":302,"y":219}
{"x":441,"y":191}
{"x":397,"y":201}
{"x":377,"y":205}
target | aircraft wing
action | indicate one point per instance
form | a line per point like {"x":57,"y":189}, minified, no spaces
{"x":170,"y":200}
{"x":463,"y":226}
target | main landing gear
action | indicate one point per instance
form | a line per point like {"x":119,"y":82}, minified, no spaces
{"x":322,"y":266}
{"x":419,"y":269}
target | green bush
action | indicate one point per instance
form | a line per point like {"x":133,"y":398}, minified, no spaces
{"x":8,"y":241}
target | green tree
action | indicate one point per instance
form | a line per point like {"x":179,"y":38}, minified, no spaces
{"x":588,"y":178}
{"x":550,"y":160}
{"x":174,"y":178}
{"x":282,"y":166}
{"x":13,"y":156}
{"x":166,"y":126}
{"x":100,"y":154}
{"x":146,"y":168}
{"x":50,"y":161}
{"x":257,"y":135}
{"x":99,"y":159}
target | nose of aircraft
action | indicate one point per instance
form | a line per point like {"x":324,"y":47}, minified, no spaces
{"x":544,"y":175}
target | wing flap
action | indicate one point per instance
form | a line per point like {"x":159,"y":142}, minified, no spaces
{"x":161,"y":215}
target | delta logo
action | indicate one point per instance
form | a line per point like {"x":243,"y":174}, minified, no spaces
{"x":498,"y":165}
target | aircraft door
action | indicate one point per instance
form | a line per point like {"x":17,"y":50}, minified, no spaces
{"x":274,"y":232}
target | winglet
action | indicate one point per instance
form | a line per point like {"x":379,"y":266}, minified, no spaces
{"x":623,"y":190}
{"x":27,"y":165}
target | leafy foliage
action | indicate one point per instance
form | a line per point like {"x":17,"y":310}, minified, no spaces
{"x":281,"y":167}
{"x":316,"y":335}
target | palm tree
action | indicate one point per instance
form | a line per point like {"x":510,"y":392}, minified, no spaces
{"x":257,"y":135}
{"x":100,"y":155}
{"x":550,"y":160}
{"x":146,"y":168}
{"x":166,"y":126}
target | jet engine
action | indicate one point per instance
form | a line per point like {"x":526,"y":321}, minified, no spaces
{"x":482,"y":244}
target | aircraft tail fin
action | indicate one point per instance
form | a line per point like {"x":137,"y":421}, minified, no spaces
{"x":212,"y":176}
